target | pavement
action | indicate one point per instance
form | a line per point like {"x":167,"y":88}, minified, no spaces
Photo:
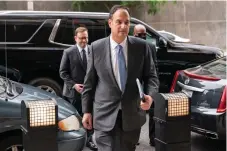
{"x":198,"y":142}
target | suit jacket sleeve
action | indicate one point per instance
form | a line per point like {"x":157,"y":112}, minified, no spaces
{"x":90,"y":82}
{"x":154,"y":55}
{"x":150,"y":78}
{"x":64,"y":70}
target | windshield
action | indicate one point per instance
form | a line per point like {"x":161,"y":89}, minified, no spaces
{"x":215,"y":68}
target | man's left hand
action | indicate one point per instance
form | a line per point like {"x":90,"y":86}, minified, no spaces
{"x":147,"y":104}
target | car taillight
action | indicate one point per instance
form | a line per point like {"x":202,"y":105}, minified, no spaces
{"x":174,"y":81}
{"x":201,"y":77}
{"x":222,"y":105}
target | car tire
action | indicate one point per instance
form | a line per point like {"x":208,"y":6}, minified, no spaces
{"x":48,"y":85}
{"x":8,"y":142}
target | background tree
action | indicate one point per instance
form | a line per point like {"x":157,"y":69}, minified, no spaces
{"x":105,"y":6}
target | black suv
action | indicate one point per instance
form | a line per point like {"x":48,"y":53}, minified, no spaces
{"x":33,"y":42}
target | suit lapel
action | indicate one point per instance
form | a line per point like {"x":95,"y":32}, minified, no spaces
{"x":109,"y":65}
{"x":79,"y":56}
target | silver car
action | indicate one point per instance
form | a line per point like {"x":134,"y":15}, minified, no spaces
{"x":71,"y":138}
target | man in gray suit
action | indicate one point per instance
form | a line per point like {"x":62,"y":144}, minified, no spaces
{"x":110,"y":99}
{"x":73,"y":70}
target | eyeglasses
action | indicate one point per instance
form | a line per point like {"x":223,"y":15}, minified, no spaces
{"x":81,"y":38}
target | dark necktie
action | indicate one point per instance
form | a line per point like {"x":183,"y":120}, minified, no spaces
{"x":84,"y":58}
{"x":121,"y":67}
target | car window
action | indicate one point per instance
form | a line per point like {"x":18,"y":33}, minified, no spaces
{"x":217,"y":68}
{"x":97,"y":29}
{"x":152,"y":38}
{"x":65,"y":33}
{"x":2,"y":31}
{"x":18,"y":30}
{"x":42,"y":36}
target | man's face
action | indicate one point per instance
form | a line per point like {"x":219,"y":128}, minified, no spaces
{"x":82,"y":39}
{"x":119,"y":24}
{"x":140,"y":33}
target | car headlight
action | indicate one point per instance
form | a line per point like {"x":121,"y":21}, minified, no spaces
{"x":70,"y":123}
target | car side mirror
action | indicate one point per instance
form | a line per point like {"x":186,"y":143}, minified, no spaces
{"x":162,"y":43}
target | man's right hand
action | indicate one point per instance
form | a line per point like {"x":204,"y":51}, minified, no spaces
{"x":79,"y":87}
{"x":87,"y":121}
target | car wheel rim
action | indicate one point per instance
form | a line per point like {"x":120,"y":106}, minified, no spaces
{"x":47,"y":88}
{"x":15,"y":148}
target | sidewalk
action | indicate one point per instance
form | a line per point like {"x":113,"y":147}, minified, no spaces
{"x":144,"y":139}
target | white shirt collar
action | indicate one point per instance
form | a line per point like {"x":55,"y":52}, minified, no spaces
{"x":80,"y":49}
{"x":114,"y":44}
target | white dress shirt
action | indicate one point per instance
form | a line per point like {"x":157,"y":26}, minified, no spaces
{"x":113,"y":48}
{"x":80,"y":50}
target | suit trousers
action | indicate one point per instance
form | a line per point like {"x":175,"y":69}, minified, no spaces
{"x":117,"y":139}
{"x":76,"y":102}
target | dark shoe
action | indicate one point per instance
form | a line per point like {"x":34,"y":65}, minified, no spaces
{"x":91,"y":146}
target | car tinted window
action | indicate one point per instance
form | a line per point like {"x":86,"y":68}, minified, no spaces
{"x":42,"y":36}
{"x":18,"y":30}
{"x":152,"y":38}
{"x":2,"y":31}
{"x":65,"y":32}
{"x":97,"y":29}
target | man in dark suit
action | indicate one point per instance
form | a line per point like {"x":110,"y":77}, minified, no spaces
{"x":117,"y":112}
{"x":140,"y":32}
{"x":73,"y":70}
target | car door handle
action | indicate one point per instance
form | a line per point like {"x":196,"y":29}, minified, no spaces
{"x":191,"y":88}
